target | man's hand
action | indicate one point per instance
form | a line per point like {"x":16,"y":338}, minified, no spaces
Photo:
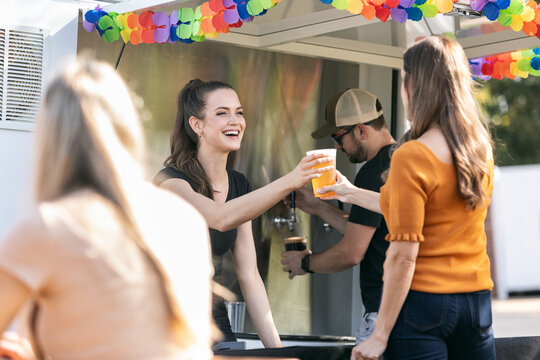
{"x":292,"y":261}
{"x":305,"y":200}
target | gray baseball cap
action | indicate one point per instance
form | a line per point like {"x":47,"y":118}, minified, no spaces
{"x":351,"y":107}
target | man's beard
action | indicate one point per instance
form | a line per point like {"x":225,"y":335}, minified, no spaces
{"x":359,"y":154}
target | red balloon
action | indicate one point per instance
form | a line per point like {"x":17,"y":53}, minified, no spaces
{"x":382,"y":13}
{"x":145,"y":19}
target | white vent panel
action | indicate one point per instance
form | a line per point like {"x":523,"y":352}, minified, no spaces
{"x":22,"y":60}
{"x":2,"y":67}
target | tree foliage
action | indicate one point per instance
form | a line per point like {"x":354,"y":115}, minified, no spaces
{"x":513,"y":110}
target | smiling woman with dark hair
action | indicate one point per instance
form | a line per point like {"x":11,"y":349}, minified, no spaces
{"x":209,"y":125}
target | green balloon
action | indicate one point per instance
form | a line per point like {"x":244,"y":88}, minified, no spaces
{"x":196,"y":28}
{"x":111,"y":35}
{"x":267,"y":4}
{"x":105,"y":22}
{"x":254,"y":7}
{"x":340,"y":4}
{"x":527,"y":53}
{"x":186,"y":15}
{"x":198,"y":13}
{"x":429,"y":10}
{"x":516,"y":7}
{"x":198,"y":38}
{"x":184,"y":31}
{"x":504,"y":18}
{"x":524,"y":65}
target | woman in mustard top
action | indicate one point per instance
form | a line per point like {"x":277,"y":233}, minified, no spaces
{"x":436,"y":301}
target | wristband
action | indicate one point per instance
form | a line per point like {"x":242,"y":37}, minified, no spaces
{"x":305,"y":264}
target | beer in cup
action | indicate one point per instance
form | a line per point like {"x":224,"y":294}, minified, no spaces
{"x":327,"y":177}
{"x":296,"y":243}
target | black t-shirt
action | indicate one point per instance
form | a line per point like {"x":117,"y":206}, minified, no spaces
{"x":371,"y":267}
{"x":221,"y":242}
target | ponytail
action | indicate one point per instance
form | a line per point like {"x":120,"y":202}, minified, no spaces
{"x":184,"y":141}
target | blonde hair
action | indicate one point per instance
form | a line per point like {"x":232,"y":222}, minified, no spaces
{"x":89,"y":137}
{"x":440,"y":91}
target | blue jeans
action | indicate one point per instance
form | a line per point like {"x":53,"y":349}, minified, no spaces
{"x":443,"y":326}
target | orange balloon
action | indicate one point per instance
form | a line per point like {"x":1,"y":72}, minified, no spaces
{"x":207,"y":27}
{"x":133,"y":21}
{"x":206,"y":11}
{"x":530,"y":28}
{"x":368,"y":11}
{"x":135,"y":37}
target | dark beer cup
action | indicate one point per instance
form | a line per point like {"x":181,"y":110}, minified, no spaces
{"x":296,"y":243}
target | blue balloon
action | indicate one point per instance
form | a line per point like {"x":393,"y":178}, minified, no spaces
{"x":242,"y":11}
{"x":414,"y":13}
{"x":419,"y":2}
{"x":326,"y":1}
{"x":186,"y":41}
{"x":535,"y":63}
{"x":536,"y":51}
{"x":491,"y":11}
{"x":503,"y":4}
{"x":173,"y":35}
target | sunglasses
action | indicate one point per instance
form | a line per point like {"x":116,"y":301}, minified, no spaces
{"x":338,"y":135}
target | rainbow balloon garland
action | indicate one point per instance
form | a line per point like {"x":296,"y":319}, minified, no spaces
{"x":511,"y":64}
{"x":518,"y":14}
{"x":212,"y":17}
{"x":217,"y":16}
{"x":185,"y":25}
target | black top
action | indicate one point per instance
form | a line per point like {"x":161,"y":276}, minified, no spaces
{"x":221,"y":242}
{"x":371,"y":267}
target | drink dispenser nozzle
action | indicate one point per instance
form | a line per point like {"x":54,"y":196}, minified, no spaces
{"x":280,"y":221}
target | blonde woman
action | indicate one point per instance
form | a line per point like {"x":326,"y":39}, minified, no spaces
{"x":436,"y":301}
{"x":103,"y":255}
{"x":209,"y":125}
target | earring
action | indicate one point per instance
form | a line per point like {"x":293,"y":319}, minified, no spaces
{"x":201,"y":133}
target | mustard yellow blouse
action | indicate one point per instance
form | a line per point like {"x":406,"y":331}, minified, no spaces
{"x":420,"y":202}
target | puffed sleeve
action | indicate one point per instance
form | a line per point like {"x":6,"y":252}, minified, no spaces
{"x":26,"y":253}
{"x":404,"y":196}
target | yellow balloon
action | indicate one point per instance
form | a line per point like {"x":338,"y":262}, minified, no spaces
{"x":517,"y":23}
{"x":516,"y":55}
{"x":356,"y":6}
{"x":528,"y":14}
{"x":444,"y":6}
{"x":523,"y":74}
{"x":514,"y":69}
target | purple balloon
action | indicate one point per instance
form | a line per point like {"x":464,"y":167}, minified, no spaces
{"x":406,"y":3}
{"x":231,"y":16}
{"x":161,"y":18}
{"x":478,"y":5}
{"x":88,"y":26}
{"x":476,"y":66}
{"x":161,"y":35}
{"x":173,"y":19}
{"x":398,"y":15}
{"x":228,"y":3}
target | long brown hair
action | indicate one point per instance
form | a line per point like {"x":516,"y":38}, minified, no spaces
{"x":184,"y":141}
{"x":440,"y":90}
{"x":89,"y":137}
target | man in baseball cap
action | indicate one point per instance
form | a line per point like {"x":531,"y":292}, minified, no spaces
{"x":354,"y":120}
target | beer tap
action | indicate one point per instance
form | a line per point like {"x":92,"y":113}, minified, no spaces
{"x":279,"y":221}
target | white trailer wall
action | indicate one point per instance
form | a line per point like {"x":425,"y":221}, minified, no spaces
{"x":516,"y":228}
{"x":60,"y":20}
